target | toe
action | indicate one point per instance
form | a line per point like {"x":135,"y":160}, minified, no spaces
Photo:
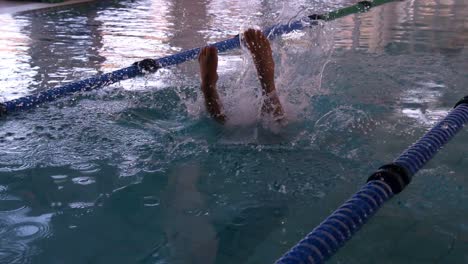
{"x":200,"y":54}
{"x":249,"y":34}
{"x":204,"y":52}
{"x":210,"y":51}
{"x":246,"y":35}
{"x":214,"y":51}
{"x":260,"y":35}
{"x":249,"y":37}
{"x":257,"y":33}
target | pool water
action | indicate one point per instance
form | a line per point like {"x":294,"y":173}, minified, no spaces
{"x":137,"y":172}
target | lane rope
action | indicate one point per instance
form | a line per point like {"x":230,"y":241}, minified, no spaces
{"x":141,"y":68}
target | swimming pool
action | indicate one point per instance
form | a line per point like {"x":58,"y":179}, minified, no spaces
{"x":137,"y":174}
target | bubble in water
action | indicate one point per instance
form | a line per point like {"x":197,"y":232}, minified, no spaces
{"x":85,"y":167}
{"x":58,"y":179}
{"x":151,"y":201}
{"x":27,"y":231}
{"x":84,"y":180}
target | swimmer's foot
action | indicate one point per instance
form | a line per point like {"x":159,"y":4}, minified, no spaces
{"x":262,"y":56}
{"x":208,"y":61}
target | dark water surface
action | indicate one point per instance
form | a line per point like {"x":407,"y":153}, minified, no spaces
{"x":136,"y":173}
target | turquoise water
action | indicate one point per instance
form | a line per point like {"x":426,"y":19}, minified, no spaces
{"x":137,"y":173}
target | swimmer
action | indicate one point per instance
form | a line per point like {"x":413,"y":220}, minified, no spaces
{"x":260,"y":49}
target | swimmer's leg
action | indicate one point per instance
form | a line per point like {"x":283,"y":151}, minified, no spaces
{"x":208,"y":60}
{"x":262,"y":56}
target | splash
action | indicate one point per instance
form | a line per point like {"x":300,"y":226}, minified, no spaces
{"x":300,"y":57}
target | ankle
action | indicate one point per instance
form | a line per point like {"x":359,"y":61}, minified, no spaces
{"x":268,"y":86}
{"x":209,"y":78}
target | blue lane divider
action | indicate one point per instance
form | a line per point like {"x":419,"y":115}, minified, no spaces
{"x":340,"y":226}
{"x":331,"y":234}
{"x":233,"y":43}
{"x":422,"y":151}
{"x":99,"y":81}
{"x":92,"y":83}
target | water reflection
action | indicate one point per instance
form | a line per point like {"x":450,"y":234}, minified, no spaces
{"x":63,"y":46}
{"x":409,"y":31}
{"x":82,"y":41}
{"x":421,"y":25}
{"x":147,"y":37}
{"x":15,"y":70}
{"x":229,"y":18}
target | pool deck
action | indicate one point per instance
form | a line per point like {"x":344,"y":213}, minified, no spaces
{"x":10,"y":7}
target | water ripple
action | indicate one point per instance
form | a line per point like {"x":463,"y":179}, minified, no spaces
{"x":83,"y":180}
{"x":26,"y":231}
{"x":11,"y":206}
{"x":15,"y":252}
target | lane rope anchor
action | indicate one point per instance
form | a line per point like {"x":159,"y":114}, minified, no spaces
{"x":147,"y":66}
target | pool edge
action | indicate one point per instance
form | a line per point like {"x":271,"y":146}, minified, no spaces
{"x":13,"y":7}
